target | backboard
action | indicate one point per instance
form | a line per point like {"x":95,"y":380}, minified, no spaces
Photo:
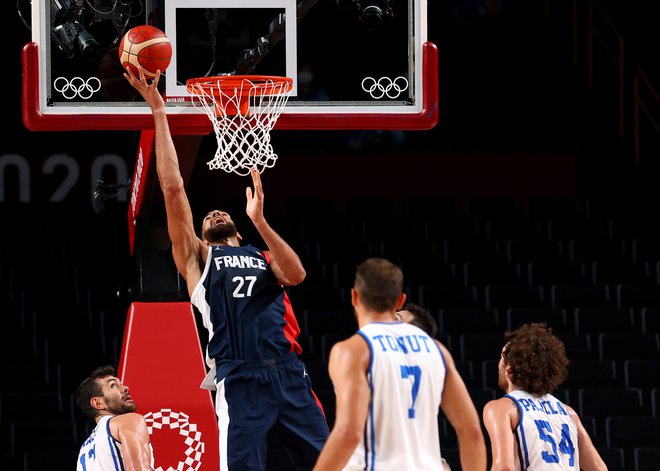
{"x":355,"y":64}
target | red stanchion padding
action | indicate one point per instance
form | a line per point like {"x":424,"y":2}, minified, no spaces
{"x":163,"y":365}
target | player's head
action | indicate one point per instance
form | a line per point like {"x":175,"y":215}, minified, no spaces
{"x":418,"y":316}
{"x":102,"y":392}
{"x":378,"y":286}
{"x":217,"y":226}
{"x":532,"y":359}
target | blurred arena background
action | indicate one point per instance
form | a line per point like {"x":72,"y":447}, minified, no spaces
{"x":534,"y":198}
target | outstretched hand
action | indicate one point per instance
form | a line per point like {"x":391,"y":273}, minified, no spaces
{"x":149,"y":91}
{"x":255,"y":202}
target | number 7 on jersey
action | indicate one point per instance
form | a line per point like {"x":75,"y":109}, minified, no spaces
{"x":416,"y":373}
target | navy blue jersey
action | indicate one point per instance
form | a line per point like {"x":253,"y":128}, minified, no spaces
{"x":245,"y":309}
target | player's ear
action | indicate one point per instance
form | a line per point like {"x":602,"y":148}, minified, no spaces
{"x":97,"y":403}
{"x":239,"y":237}
{"x":354,"y":297}
{"x":401,"y":301}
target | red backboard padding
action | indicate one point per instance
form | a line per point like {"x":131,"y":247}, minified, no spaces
{"x":141,"y":178}
{"x":163,"y":365}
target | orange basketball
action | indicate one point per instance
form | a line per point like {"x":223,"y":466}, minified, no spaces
{"x":147,"y":46}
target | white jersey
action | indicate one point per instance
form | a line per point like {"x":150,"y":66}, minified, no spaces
{"x":101,"y":451}
{"x":546,"y":434}
{"x":406,"y":376}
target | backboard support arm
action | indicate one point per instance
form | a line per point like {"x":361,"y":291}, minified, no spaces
{"x":249,"y":58}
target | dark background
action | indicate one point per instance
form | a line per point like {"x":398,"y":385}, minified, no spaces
{"x":520,"y":122}
{"x":510,"y":80}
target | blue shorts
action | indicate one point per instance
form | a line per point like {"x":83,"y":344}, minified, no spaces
{"x":263,"y":397}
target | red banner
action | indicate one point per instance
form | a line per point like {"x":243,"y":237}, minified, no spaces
{"x":163,"y":366}
{"x":141,"y":174}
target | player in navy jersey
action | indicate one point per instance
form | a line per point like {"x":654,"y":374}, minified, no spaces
{"x":120,"y":440}
{"x":239,"y":290}
{"x":390,"y":380}
{"x":529,"y":428}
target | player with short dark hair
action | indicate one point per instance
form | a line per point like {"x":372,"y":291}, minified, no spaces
{"x":416,"y":315}
{"x":120,"y":439}
{"x":390,"y":380}
{"x":529,"y":428}
{"x":240,"y":293}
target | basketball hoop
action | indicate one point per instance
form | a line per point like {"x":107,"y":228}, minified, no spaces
{"x":243,"y":110}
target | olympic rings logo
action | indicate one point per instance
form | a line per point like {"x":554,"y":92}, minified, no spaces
{"x":384,"y":86}
{"x":77,"y":87}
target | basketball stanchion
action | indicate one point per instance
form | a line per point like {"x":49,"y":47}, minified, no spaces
{"x":161,"y":344}
{"x":243,"y":110}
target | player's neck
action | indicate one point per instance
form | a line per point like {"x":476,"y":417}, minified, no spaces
{"x":102,"y":414}
{"x":230,"y":241}
{"x":368,"y":317}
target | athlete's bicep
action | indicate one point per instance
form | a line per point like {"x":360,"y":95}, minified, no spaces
{"x":497,"y":419}
{"x":186,"y":246}
{"x":347,"y":367}
{"x":279,"y":273}
{"x":134,"y":437}
{"x":282,"y":271}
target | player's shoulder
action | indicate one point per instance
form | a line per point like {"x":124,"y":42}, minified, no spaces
{"x":351,"y":347}
{"x":355,"y":342}
{"x":253,"y":250}
{"x":571,"y":412}
{"x":443,"y":348}
{"x":502,"y":406}
{"x":128,"y":422}
{"x":129,"y":419}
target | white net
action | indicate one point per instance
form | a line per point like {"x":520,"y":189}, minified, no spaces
{"x":242,"y":134}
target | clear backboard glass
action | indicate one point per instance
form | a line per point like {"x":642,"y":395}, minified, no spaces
{"x":354,"y":63}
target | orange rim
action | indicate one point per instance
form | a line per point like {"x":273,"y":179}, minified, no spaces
{"x":270,"y":84}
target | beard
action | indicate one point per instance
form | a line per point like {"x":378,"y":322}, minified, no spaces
{"x":220,"y":232}
{"x":121,"y":407}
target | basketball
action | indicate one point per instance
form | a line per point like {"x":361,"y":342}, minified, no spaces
{"x":146,"y":46}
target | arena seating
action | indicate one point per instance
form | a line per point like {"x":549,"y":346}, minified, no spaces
{"x":615,"y":351}
{"x":588,"y":265}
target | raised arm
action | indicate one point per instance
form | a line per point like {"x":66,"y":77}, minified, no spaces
{"x":348,"y":365}
{"x":459,"y":409}
{"x":284,"y":261}
{"x":131,"y":430}
{"x":187,"y":249}
{"x":590,"y":460}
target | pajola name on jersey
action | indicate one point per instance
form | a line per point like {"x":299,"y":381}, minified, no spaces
{"x":544,"y":406}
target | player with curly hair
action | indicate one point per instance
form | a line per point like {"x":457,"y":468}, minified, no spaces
{"x":529,"y":428}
